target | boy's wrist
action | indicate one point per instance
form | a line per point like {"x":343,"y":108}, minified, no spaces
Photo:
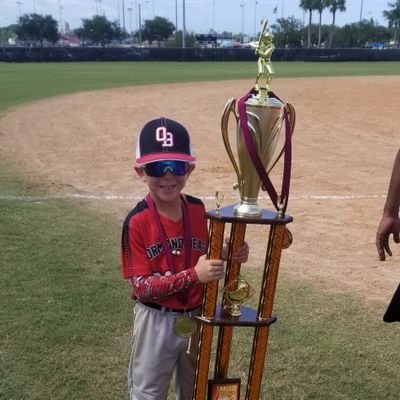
{"x":193,"y":275}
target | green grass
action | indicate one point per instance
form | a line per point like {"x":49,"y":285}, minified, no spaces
{"x":65,"y":315}
{"x":32,"y":81}
{"x":65,"y":311}
{"x":323,"y":346}
{"x":330,"y":346}
{"x":65,"y":318}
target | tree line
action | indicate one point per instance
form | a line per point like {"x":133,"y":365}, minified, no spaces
{"x":288,"y":32}
{"x":363,"y":32}
{"x":43,"y":29}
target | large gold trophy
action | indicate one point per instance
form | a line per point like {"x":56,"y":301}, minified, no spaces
{"x":259,"y":116}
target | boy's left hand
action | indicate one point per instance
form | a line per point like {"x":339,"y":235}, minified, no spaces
{"x":241,"y":255}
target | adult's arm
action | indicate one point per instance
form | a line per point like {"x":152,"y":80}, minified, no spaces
{"x":390,"y":222}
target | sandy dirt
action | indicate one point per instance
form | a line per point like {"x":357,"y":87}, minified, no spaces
{"x":345,"y":141}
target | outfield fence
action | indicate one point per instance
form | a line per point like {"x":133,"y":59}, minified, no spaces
{"x":47,"y":54}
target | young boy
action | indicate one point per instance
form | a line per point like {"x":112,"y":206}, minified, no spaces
{"x":164,"y":241}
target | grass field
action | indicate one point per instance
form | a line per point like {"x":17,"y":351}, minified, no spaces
{"x":27,"y":82}
{"x":65,"y":316}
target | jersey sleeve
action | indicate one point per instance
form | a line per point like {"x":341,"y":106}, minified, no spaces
{"x":153,"y":288}
{"x":133,"y":255}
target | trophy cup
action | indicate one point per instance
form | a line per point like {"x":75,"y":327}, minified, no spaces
{"x":259,"y":116}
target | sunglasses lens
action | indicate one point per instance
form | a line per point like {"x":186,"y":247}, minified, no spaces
{"x":160,"y":168}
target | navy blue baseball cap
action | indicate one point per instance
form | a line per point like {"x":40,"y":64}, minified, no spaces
{"x":163,"y":139}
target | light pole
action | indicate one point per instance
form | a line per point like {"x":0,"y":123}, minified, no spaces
{"x":242,"y":25}
{"x":176,"y":15}
{"x":361,"y":9}
{"x":123,"y":16}
{"x":213,"y":15}
{"x":140,"y":20}
{"x":140,"y":24}
{"x":97,"y":7}
{"x":130,"y":20}
{"x":255,"y":17}
{"x":34,"y":6}
{"x":60,"y":15}
{"x":135,"y":7}
{"x":184,"y":25}
{"x":19,"y":3}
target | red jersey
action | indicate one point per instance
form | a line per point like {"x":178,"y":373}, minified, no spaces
{"x":143,"y":254}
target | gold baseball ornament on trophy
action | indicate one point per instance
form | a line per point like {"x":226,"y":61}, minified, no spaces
{"x":261,"y":117}
{"x":236,"y":293}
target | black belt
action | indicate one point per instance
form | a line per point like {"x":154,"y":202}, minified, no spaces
{"x":167,"y":309}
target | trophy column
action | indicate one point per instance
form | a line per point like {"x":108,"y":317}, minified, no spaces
{"x":238,"y":231}
{"x":265,"y":306}
{"x":220,"y":315}
{"x":210,"y":294}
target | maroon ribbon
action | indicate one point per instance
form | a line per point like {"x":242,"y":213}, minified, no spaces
{"x":258,"y":165}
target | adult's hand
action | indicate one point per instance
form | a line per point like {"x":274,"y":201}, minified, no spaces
{"x":388,"y":225}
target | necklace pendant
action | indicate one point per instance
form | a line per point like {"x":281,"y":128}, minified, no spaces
{"x":185,"y":326}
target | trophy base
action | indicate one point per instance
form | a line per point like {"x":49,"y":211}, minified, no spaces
{"x":244,"y":209}
{"x":234,"y":310}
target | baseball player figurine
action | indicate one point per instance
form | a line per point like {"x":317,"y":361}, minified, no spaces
{"x":164,"y":241}
{"x":264,"y":49}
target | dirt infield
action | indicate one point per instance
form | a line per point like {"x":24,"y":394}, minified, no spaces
{"x":345,"y":141}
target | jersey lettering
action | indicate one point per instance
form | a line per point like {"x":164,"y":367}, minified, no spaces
{"x":162,"y":135}
{"x":153,"y":251}
{"x":175,"y":244}
{"x":200,"y":245}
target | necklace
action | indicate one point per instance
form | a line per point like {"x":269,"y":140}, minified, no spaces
{"x":187,"y":234}
{"x":184,"y":325}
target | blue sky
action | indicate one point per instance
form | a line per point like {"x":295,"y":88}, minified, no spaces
{"x":201,"y":15}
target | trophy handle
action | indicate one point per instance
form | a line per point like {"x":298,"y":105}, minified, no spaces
{"x":292,"y":116}
{"x":230,"y":108}
{"x":292,"y":121}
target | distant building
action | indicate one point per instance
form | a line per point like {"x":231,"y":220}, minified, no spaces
{"x":205,"y":40}
{"x":70,"y":40}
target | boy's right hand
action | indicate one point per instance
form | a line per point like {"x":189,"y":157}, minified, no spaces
{"x":209,"y":270}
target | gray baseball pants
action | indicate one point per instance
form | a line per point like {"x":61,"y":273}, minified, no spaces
{"x":156,"y":353}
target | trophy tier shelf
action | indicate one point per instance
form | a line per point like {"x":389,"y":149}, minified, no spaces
{"x":248,"y":318}
{"x":267,"y":217}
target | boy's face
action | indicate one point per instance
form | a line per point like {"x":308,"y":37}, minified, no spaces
{"x":168,"y":187}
